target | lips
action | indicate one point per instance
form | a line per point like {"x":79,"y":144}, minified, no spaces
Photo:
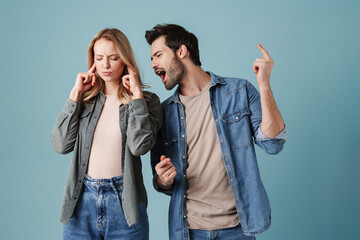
{"x":106,"y":73}
{"x":161,"y":73}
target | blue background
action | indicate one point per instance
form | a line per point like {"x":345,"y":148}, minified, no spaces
{"x":313,"y":184}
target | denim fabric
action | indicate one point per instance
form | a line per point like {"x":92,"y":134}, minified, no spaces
{"x":236,"y":110}
{"x":234,"y":233}
{"x":99,"y":213}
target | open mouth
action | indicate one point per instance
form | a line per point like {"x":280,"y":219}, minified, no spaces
{"x":161,"y":73}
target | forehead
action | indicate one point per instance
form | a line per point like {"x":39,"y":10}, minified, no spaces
{"x":159,"y":45}
{"x":104,"y":47}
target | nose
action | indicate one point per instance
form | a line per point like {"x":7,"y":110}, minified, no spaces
{"x":106,"y":63}
{"x":153,"y":64}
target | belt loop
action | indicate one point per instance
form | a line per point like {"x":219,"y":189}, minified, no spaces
{"x":113,"y":186}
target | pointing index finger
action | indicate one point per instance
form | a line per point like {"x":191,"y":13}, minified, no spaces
{"x":131,"y":70}
{"x":92,"y":69}
{"x":264,"y":52}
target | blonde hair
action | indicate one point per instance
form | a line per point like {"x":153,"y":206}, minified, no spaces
{"x":126,"y":55}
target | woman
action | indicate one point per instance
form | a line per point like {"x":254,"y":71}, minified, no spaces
{"x":108,"y":122}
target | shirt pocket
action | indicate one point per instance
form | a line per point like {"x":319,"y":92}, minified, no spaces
{"x":237,"y":129}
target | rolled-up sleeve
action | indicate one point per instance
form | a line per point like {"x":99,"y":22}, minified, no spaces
{"x":262,"y":137}
{"x":271,"y":145}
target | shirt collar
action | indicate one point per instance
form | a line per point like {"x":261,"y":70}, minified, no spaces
{"x":215,"y":79}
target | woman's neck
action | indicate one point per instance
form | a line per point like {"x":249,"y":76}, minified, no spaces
{"x":111,"y":88}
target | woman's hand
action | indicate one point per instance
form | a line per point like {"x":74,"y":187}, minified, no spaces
{"x":83,"y":82}
{"x":131,"y":82}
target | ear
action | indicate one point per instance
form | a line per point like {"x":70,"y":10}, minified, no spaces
{"x":182,"y":51}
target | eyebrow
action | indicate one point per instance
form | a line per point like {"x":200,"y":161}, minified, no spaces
{"x":155,"y":54}
{"x":115,"y":54}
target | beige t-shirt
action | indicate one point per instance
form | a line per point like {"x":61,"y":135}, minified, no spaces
{"x":210,"y":203}
{"x":105,"y":154}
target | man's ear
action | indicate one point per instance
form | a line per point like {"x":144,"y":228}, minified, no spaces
{"x":181,"y":52}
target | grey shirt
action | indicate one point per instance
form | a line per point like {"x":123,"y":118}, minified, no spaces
{"x":140,"y":121}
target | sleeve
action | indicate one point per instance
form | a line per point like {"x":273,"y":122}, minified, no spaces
{"x":144,"y":123}
{"x":65,"y":131}
{"x":270,"y":146}
{"x":156,"y":152}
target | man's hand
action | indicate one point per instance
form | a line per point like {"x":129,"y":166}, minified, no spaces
{"x":272,"y":122}
{"x":262,"y":68}
{"x":166,"y":172}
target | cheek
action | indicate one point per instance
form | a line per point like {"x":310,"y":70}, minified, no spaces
{"x":119,"y":67}
{"x":97,"y":65}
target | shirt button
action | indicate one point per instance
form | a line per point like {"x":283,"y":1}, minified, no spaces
{"x":80,"y":181}
{"x":184,"y":176}
{"x":183,"y":136}
{"x":72,"y":105}
{"x":87,"y":147}
{"x":183,"y":156}
{"x":90,"y":131}
{"x":182,"y":117}
{"x":184,"y":216}
{"x":184,"y":196}
{"x":237,"y":118}
{"x":83,"y":164}
{"x":71,"y":111}
{"x":95,"y":116}
{"x":74,"y":197}
{"x":231,"y":179}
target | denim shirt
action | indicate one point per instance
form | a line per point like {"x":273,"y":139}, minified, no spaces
{"x":236,"y":110}
{"x":139,"y":122}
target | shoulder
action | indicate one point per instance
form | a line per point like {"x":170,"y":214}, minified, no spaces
{"x":218,"y":80}
{"x":166,"y":103}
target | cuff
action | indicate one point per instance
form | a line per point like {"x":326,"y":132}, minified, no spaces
{"x":138,"y":106}
{"x":261,"y":136}
{"x":72,"y":108}
{"x":159,"y":189}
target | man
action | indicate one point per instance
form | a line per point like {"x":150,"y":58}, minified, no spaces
{"x":204,"y":157}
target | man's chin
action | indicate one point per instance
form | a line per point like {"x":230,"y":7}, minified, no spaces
{"x":169,"y":86}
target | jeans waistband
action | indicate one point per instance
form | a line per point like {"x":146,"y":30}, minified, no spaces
{"x":116,"y":183}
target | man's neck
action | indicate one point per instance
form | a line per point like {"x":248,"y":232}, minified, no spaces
{"x":195,"y":80}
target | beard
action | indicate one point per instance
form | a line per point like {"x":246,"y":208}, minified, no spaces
{"x":175,"y":73}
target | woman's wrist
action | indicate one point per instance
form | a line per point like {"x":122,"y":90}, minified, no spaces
{"x":138,"y":94}
{"x":75,"y":95}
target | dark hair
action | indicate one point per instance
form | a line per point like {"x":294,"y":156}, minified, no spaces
{"x":175,"y":36}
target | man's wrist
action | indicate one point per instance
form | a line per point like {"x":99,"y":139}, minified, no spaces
{"x":263,"y":87}
{"x":162,"y":184}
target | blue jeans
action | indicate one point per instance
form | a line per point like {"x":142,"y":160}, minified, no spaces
{"x":99,"y":214}
{"x":234,"y":233}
